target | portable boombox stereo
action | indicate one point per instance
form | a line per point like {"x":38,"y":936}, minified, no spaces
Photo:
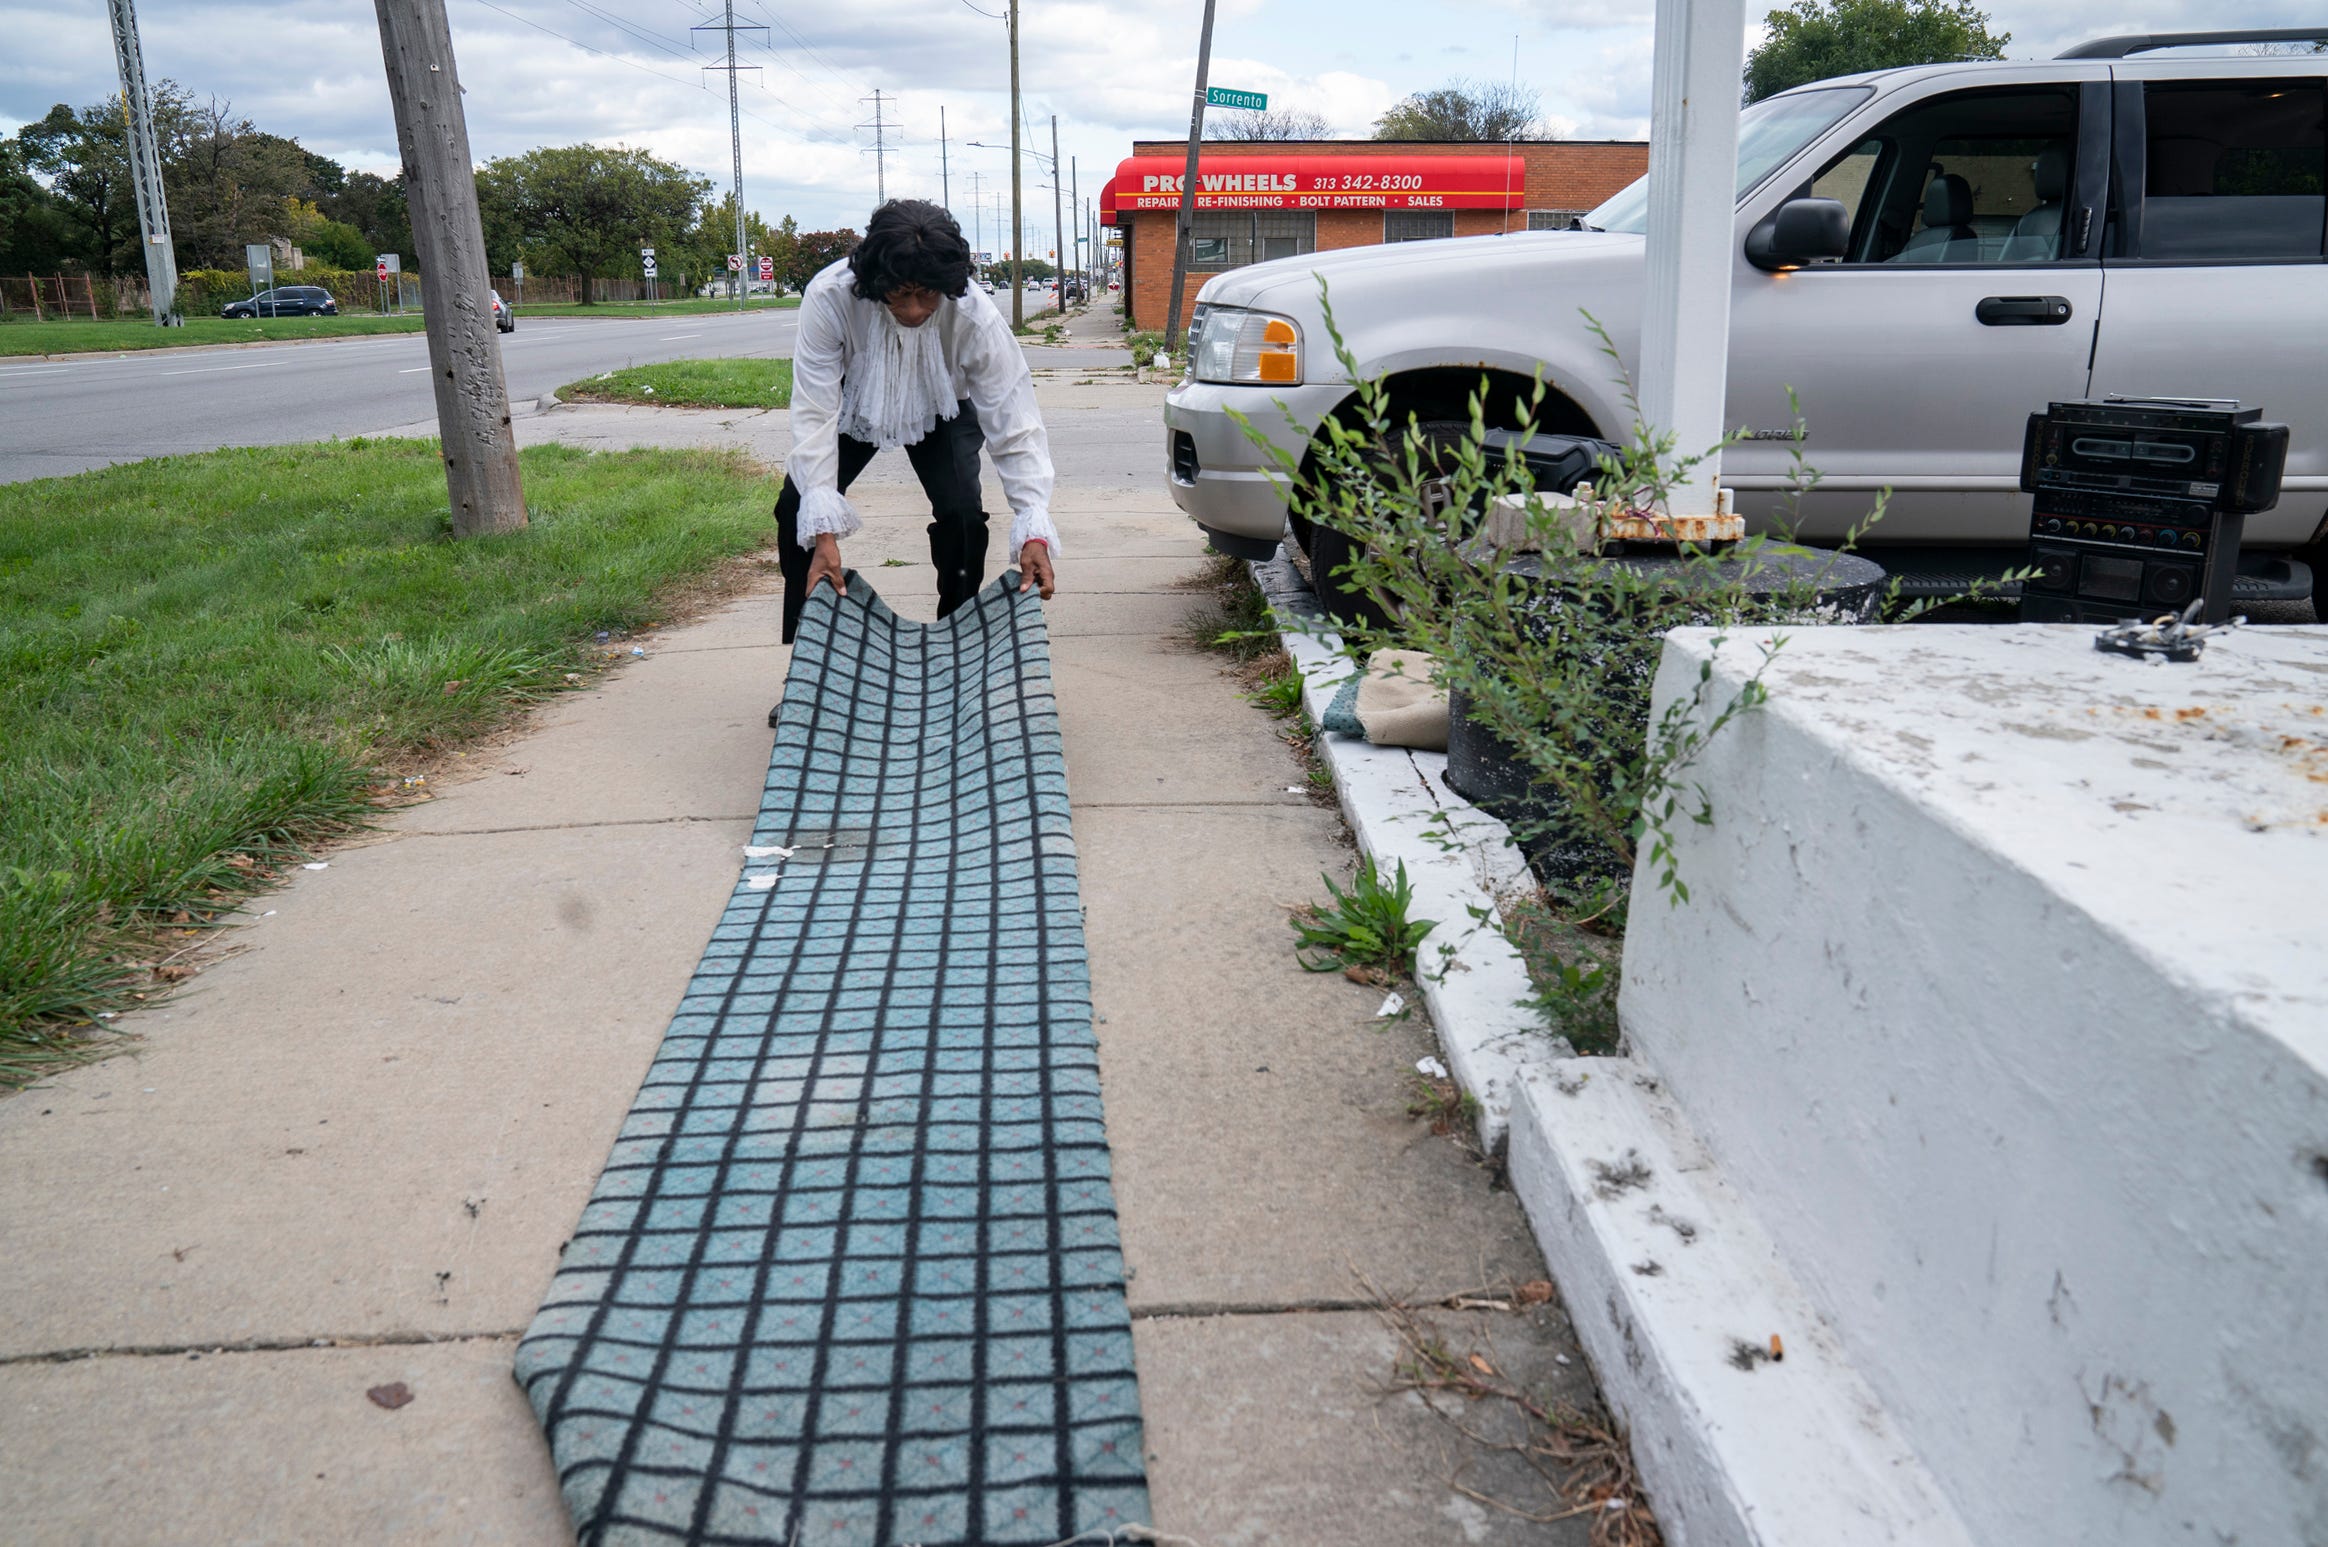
{"x":2140,"y":504}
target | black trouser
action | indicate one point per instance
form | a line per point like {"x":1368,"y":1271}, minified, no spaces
{"x":946,"y":461}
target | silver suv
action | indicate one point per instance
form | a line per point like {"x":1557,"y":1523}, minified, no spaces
{"x":2000,"y":235}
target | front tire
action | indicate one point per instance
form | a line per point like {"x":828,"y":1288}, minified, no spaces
{"x":1331,"y":552}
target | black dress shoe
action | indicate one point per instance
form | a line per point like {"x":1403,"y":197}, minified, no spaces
{"x":772,"y":714}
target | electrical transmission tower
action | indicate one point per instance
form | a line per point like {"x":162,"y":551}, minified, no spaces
{"x":145,"y":168}
{"x":730,"y":27}
{"x":880,"y":150}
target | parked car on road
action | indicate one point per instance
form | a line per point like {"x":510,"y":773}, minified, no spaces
{"x":285,"y":301}
{"x":1926,"y":256}
{"x":504,"y":317}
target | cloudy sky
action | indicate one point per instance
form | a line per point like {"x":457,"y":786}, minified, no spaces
{"x":549,"y":72}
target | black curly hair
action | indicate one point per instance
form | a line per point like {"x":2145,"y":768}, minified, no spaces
{"x":910,"y":242}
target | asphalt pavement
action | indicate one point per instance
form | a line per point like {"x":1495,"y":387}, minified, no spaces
{"x":69,"y":414}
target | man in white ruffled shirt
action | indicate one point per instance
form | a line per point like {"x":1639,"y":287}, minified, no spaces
{"x":898,"y":348}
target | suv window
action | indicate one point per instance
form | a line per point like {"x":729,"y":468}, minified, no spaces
{"x":1976,"y":177}
{"x":2233,"y":170}
{"x":1769,"y":134}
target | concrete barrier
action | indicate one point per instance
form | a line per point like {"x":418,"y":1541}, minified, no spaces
{"x":2001,"y":1004}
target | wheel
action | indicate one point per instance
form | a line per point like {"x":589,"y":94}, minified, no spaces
{"x":1330,"y":553}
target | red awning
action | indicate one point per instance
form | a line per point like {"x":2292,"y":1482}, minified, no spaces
{"x":1107,"y":203}
{"x":1325,"y":182}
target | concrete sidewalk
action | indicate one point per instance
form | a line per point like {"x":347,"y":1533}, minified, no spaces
{"x":347,"y":1156}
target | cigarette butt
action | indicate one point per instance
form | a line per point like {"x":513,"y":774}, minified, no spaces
{"x":1777,"y":1349}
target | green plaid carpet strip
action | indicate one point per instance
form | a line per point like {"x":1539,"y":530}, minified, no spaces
{"x":851,"y":1277}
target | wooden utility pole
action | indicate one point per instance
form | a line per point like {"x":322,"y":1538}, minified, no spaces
{"x":1058,"y":227}
{"x":1184,"y":227}
{"x":1018,"y":225}
{"x":464,"y":352}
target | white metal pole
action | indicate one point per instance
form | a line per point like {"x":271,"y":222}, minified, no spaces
{"x":1693,"y":171}
{"x":145,"y":169}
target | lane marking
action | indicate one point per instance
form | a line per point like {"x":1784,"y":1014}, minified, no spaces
{"x":208,"y":370}
{"x":676,"y":337}
{"x":416,"y":370}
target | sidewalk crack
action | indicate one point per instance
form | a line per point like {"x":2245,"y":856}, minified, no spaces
{"x":255,"y":1346}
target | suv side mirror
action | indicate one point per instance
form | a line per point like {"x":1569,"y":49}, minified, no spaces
{"x":1800,"y":231}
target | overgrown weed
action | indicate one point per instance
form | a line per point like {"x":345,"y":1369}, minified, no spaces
{"x":1365,"y":926}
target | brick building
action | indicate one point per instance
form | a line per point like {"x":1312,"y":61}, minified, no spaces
{"x":1259,"y":199}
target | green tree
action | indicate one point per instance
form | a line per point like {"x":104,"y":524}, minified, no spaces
{"x":84,"y":157}
{"x":784,"y":246}
{"x":1463,"y":110}
{"x":1816,"y":39}
{"x":32,"y":230}
{"x":227,"y":181}
{"x":586,"y":209}
{"x":375,"y":206}
{"x":813,"y":252}
{"x":703,"y":256}
{"x":1033,"y":270}
{"x":324,"y":240}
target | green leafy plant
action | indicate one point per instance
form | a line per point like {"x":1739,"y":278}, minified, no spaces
{"x":1366,"y":926}
{"x":1279,"y":693}
{"x":1558,"y":660}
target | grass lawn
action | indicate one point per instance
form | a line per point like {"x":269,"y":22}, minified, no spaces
{"x":690,"y":384}
{"x":208,"y":662}
{"x":111,"y":335}
{"x":690,"y":306}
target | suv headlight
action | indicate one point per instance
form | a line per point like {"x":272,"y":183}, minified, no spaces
{"x":1231,"y":344}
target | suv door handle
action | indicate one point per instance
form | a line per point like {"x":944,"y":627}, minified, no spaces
{"x":2023,"y":311}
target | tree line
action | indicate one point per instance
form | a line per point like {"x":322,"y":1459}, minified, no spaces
{"x":67,"y":204}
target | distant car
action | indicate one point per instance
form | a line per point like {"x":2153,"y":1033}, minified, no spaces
{"x":285,"y":301}
{"x":504,"y":317}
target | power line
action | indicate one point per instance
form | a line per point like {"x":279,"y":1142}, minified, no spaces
{"x":806,"y":47}
{"x":696,"y":85}
{"x":651,"y":39}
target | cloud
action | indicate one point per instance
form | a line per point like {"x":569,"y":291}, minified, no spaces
{"x":1112,"y":70}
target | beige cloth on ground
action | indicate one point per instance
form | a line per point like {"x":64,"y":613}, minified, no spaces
{"x":1398,"y":705}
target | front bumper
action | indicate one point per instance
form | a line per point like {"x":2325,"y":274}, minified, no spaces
{"x":1224,"y":482}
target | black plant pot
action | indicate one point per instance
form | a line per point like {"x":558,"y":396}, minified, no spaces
{"x":1482,"y":767}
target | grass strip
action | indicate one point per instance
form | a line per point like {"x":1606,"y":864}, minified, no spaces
{"x":690,"y":384}
{"x":209,"y":662}
{"x":693,"y":306}
{"x":59,"y":336}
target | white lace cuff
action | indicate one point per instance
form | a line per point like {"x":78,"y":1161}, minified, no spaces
{"x":1029,"y":524}
{"x":822,"y":511}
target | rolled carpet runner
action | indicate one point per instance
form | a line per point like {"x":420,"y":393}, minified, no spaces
{"x":850,"y":1277}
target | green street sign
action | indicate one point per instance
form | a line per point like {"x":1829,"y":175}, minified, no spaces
{"x":1222,"y":96}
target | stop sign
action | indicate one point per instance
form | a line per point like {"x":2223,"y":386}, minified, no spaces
{"x":382,"y":271}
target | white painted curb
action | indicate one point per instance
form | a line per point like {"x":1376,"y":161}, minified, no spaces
{"x":1665,"y":1276}
{"x":1675,"y":1292}
{"x":1458,"y":857}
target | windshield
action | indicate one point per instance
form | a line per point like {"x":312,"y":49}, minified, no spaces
{"x":1769,"y":134}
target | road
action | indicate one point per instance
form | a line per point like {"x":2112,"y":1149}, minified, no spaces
{"x":67,"y":415}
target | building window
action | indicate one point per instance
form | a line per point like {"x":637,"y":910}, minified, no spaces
{"x":1417,"y":225}
{"x":1553,"y":219}
{"x":1230,"y":239}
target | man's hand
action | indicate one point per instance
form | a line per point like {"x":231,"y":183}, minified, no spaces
{"x":825,"y":564}
{"x":1035,"y":567}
